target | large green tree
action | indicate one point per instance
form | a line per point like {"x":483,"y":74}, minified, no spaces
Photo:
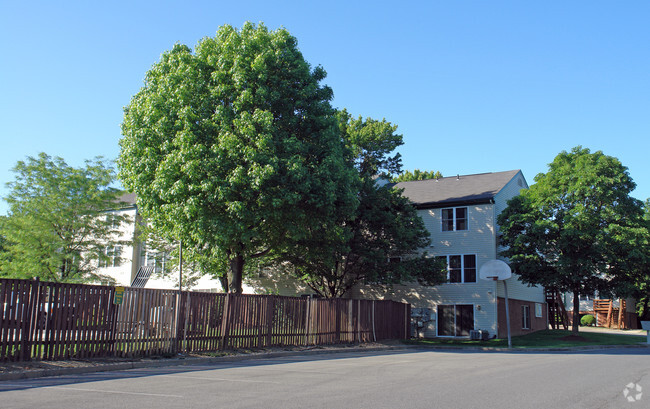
{"x":381,"y":242}
{"x":56,"y":228}
{"x":233,"y":148}
{"x":577,"y":227}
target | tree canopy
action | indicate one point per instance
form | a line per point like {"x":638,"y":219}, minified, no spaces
{"x":381,"y":242}
{"x":577,"y":228}
{"x":56,"y":229}
{"x":417,"y":174}
{"x":233,"y":148}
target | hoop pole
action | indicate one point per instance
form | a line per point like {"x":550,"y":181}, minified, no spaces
{"x":505,"y":287}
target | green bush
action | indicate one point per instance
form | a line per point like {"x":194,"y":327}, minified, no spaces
{"x":587,"y":321}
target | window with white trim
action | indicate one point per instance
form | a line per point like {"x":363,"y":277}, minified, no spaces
{"x":113,"y":256}
{"x":112,"y":220}
{"x":525,"y":317}
{"x":159,"y":260}
{"x":461,"y":268}
{"x":454,"y":219}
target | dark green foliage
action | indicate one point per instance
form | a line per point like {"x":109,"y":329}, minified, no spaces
{"x":577,"y":228}
{"x":233,"y":148}
{"x":381,"y":242}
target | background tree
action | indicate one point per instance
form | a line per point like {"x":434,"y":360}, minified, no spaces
{"x":56,"y":228}
{"x":572,"y":229}
{"x":417,"y":174}
{"x":381,"y":242}
{"x":636,"y":261}
{"x":233,"y":148}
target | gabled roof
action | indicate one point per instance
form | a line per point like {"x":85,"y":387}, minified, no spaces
{"x":456,"y":190}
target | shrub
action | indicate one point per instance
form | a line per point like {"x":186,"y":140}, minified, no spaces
{"x":587,"y":321}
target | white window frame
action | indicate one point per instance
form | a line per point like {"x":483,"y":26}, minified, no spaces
{"x":538,"y":310}
{"x":454,"y":211}
{"x":112,"y":220}
{"x":113,"y":254}
{"x":462,"y":268}
{"x":525,"y":316}
{"x":156,"y":259}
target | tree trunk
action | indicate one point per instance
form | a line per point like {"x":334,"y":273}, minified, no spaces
{"x":223,"y":279}
{"x":576,"y":312}
{"x":237,"y":270}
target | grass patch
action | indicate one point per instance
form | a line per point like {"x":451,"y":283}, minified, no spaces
{"x":538,"y":339}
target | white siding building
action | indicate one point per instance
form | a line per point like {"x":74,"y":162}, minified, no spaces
{"x":460,"y":213}
{"x":127,"y":259}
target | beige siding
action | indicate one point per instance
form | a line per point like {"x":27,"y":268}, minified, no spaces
{"x":479,"y":239}
{"x":510,"y":190}
{"x":520,"y":291}
{"x":516,"y":289}
{"x":480,"y":294}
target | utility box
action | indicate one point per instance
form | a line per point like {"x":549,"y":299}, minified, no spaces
{"x":421,"y":322}
{"x":485,"y":334}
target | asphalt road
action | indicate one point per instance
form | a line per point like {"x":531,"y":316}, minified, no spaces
{"x":394,"y":379}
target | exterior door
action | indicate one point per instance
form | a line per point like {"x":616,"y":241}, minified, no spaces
{"x":455,"y":320}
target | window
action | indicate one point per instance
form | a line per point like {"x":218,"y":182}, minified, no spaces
{"x":525,"y":317}
{"x":159,"y":260}
{"x":455,"y":320}
{"x":461,"y":268}
{"x":454,"y":219}
{"x":112,"y":220}
{"x":538,"y":310}
{"x":113,"y":255}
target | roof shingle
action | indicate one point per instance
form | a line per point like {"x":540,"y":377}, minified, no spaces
{"x":480,"y":187}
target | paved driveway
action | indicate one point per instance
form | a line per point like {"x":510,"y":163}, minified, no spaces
{"x":396,"y":379}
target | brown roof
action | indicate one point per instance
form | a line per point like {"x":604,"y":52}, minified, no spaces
{"x":479,"y":188}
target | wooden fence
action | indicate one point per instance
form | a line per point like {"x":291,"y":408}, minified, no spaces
{"x":52,"y":321}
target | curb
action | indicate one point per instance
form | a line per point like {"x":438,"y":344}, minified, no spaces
{"x":182,"y":361}
{"x":524,"y":350}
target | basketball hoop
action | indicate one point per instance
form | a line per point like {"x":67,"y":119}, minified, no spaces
{"x":497,"y":270}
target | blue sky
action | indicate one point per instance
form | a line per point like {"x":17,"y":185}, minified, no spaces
{"x":474,"y":86}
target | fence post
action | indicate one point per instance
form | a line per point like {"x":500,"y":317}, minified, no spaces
{"x":374,"y":335}
{"x":185,"y":323}
{"x":269,"y":319}
{"x":407,"y":321}
{"x":28,"y":317}
{"x":113,"y":317}
{"x":359,"y":321}
{"x":337,"y":318}
{"x":308,"y":306}
{"x":225,"y":319}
